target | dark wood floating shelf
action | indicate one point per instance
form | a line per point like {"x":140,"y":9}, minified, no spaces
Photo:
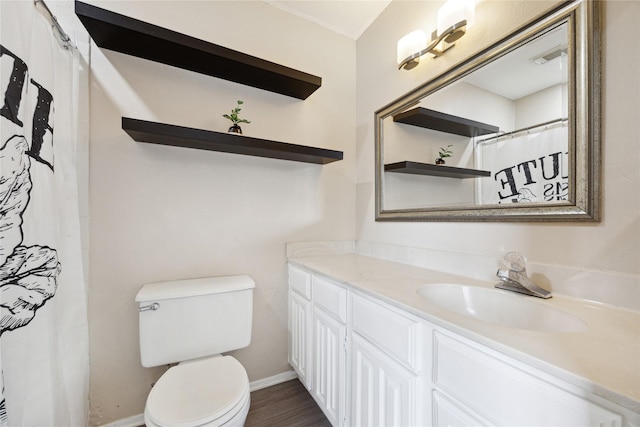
{"x":416,"y":168}
{"x":443,"y":122}
{"x":179,"y":136}
{"x":123,"y":34}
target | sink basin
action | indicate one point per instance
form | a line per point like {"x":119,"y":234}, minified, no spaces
{"x":501,"y":307}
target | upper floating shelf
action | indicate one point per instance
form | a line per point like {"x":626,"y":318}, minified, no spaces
{"x":123,"y":34}
{"x":416,"y":168}
{"x":443,"y":122}
{"x":179,"y":136}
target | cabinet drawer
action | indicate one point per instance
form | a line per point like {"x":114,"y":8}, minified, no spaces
{"x":331,"y":297}
{"x":300,"y":281}
{"x":393,"y":332}
{"x":506,"y":394}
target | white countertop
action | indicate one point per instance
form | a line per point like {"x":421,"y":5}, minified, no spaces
{"x":603,"y":360}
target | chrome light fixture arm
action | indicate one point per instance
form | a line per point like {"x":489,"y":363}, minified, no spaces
{"x":450,"y":35}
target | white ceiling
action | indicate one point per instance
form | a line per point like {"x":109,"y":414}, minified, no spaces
{"x":516,"y":75}
{"x":347,"y":17}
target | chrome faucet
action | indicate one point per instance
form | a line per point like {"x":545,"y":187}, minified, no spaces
{"x":515,"y":277}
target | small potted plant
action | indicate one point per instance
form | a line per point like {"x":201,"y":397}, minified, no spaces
{"x":235,"y":128}
{"x":444,"y":153}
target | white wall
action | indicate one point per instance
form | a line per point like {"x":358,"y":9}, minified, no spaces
{"x":163,"y":213}
{"x":611,"y":245}
{"x":543,"y":106}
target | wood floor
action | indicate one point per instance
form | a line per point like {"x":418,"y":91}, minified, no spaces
{"x":287,"y":404}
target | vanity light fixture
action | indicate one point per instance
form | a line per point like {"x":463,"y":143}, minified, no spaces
{"x":454,"y":17}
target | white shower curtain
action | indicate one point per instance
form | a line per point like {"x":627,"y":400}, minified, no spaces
{"x":530,"y":167}
{"x":43,"y":320}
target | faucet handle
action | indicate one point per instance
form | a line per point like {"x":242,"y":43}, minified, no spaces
{"x":516,"y":261}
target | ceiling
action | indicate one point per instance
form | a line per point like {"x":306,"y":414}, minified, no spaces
{"x":513,"y":77}
{"x":347,"y":17}
{"x":516,"y":75}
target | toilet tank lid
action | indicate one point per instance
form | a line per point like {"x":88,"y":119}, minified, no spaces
{"x":193,"y":287}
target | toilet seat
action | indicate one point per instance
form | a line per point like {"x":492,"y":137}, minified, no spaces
{"x":208,"y":391}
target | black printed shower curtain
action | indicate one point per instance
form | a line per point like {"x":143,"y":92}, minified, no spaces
{"x":43,"y":321}
{"x":529,"y":167}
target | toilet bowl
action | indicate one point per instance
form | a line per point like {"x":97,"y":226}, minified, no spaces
{"x":209,"y":392}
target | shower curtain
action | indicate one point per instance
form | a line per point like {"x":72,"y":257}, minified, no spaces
{"x":530,"y":167}
{"x":43,"y":321}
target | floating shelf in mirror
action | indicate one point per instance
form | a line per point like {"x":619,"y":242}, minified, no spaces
{"x":430,"y":119}
{"x":415,"y":168}
{"x":127,"y":35}
{"x":179,"y":136}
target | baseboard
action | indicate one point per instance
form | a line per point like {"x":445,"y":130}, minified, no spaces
{"x":138,"y":420}
{"x":276,"y":379}
{"x":134,"y":421}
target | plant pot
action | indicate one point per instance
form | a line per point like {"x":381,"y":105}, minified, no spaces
{"x":235,"y":129}
{"x":439,"y":161}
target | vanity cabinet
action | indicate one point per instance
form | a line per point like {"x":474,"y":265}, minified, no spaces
{"x":382,"y":391}
{"x":318,"y":340}
{"x":329,"y":348}
{"x":385,"y":380}
{"x":329,"y":368}
{"x":373,"y":355}
{"x":367,"y":362}
{"x":300,"y":324}
{"x":472,"y":382}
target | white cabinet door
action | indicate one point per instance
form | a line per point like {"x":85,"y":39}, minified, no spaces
{"x":329,"y":368}
{"x":383,"y":392}
{"x":300,"y":337}
{"x":447,"y":413}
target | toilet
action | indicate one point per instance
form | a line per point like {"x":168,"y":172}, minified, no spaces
{"x":192,"y":322}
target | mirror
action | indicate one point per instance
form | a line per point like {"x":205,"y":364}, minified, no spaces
{"x":517,"y":126}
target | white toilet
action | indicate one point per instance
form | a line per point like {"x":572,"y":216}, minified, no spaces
{"x":193,"y":322}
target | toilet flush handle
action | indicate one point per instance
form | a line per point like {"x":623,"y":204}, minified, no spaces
{"x":153,"y":307}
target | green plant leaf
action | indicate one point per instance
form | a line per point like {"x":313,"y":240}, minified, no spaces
{"x":234,"y":115}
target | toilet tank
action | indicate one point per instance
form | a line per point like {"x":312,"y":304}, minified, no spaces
{"x":194,"y":318}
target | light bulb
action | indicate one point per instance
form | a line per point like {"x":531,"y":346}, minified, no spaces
{"x":454,"y":11}
{"x":412,"y":43}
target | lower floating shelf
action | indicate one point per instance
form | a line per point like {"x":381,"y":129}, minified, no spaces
{"x":416,"y":168}
{"x":179,"y":136}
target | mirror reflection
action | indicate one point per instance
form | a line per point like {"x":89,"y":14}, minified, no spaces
{"x":517,"y":127}
{"x":501,"y":133}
